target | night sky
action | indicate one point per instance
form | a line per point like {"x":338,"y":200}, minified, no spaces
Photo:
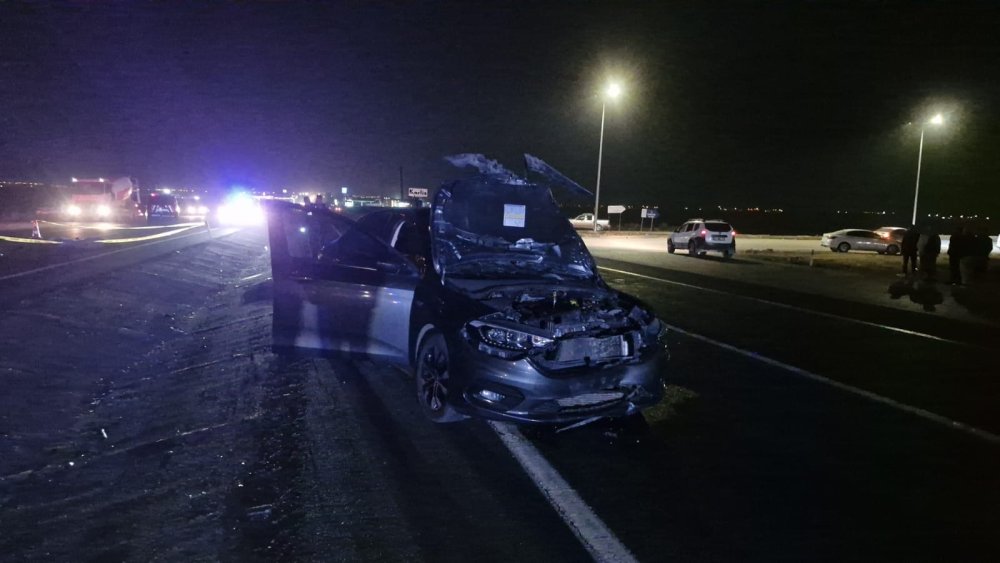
{"x":798,"y":104}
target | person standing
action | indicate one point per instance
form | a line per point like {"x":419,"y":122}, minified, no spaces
{"x":928,"y":248}
{"x":958,"y":248}
{"x":908,"y":247}
{"x":977,"y":257}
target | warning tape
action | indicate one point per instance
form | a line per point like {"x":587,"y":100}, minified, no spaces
{"x":23,"y":240}
{"x":148,"y":237}
{"x":107,"y":227}
{"x":29,"y":240}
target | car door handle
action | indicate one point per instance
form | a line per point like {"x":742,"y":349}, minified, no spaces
{"x":302,"y":279}
{"x":387,"y":267}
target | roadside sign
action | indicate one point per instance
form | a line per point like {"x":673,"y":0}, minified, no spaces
{"x":652,"y":213}
{"x":616,"y":209}
{"x":416,"y":192}
{"x":644,"y":212}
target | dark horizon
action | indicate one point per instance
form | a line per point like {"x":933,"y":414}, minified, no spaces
{"x":771,"y":105}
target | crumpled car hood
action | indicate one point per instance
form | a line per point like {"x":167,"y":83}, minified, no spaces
{"x":498,"y":226}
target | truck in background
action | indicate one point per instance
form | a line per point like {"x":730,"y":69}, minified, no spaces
{"x":98,"y":199}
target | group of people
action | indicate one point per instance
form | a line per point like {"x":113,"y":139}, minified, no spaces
{"x":314,"y":204}
{"x":968,"y":253}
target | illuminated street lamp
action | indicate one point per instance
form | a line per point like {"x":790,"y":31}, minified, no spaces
{"x":936,"y":120}
{"x":613,"y":91}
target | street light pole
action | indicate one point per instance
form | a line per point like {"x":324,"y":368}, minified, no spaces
{"x":916,"y":191}
{"x":612,"y":92}
{"x":936,"y":120}
{"x":600,"y":153}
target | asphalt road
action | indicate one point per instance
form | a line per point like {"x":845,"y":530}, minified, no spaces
{"x":144,"y":417}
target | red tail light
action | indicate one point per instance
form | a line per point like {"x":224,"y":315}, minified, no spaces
{"x":733,"y":233}
{"x":704,"y":232}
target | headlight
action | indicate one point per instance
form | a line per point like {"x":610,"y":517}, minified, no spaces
{"x":103,"y":211}
{"x":73,"y":210}
{"x":506,"y":338}
{"x":191,"y":210}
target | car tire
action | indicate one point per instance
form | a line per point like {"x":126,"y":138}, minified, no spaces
{"x":432,"y":377}
{"x":892,"y":249}
{"x":728,"y":253}
{"x":843,"y":247}
{"x":670,"y":246}
{"x":693,"y":248}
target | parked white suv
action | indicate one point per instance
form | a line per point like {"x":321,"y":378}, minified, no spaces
{"x":698,"y":236}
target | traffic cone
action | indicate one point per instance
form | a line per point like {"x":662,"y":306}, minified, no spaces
{"x":36,"y":232}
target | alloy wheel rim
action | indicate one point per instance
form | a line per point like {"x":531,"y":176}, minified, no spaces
{"x":434,"y":379}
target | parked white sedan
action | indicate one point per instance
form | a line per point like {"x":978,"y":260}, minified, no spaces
{"x":846,"y":240}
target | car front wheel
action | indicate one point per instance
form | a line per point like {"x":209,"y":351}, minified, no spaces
{"x":670,"y":246}
{"x":843,"y":247}
{"x":892,"y":249}
{"x":433,"y":380}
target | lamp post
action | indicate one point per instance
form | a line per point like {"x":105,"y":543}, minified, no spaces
{"x":936,"y":120}
{"x":613,"y":91}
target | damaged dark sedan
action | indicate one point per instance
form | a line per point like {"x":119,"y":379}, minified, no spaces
{"x":489,"y":298}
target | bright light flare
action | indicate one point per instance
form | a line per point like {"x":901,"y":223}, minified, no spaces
{"x":240,"y":210}
{"x":74,"y":210}
{"x":614,"y":90}
{"x":937,"y":120}
{"x":103,"y":211}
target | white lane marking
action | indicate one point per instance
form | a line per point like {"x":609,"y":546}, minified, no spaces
{"x":595,"y":536}
{"x":799,"y":309}
{"x":927,"y":415}
{"x":87,"y":258}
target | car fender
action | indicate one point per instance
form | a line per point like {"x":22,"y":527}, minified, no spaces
{"x":424,"y":330}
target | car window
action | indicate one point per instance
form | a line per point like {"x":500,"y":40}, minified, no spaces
{"x":855,"y":233}
{"x":355,"y":248}
{"x":382,"y":224}
{"x":307,"y":233}
{"x":718,"y":227}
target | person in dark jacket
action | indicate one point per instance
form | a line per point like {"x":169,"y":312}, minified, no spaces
{"x":980,"y":247}
{"x":928,"y":249}
{"x":958,"y":248}
{"x":908,"y":248}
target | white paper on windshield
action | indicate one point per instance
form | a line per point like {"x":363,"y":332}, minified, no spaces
{"x":513,"y":215}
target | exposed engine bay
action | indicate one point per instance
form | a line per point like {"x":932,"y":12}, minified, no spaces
{"x":569,"y":327}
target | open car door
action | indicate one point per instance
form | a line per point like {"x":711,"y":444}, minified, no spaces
{"x":337,"y":288}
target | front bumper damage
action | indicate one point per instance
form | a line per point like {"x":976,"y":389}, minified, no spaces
{"x":518,"y":391}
